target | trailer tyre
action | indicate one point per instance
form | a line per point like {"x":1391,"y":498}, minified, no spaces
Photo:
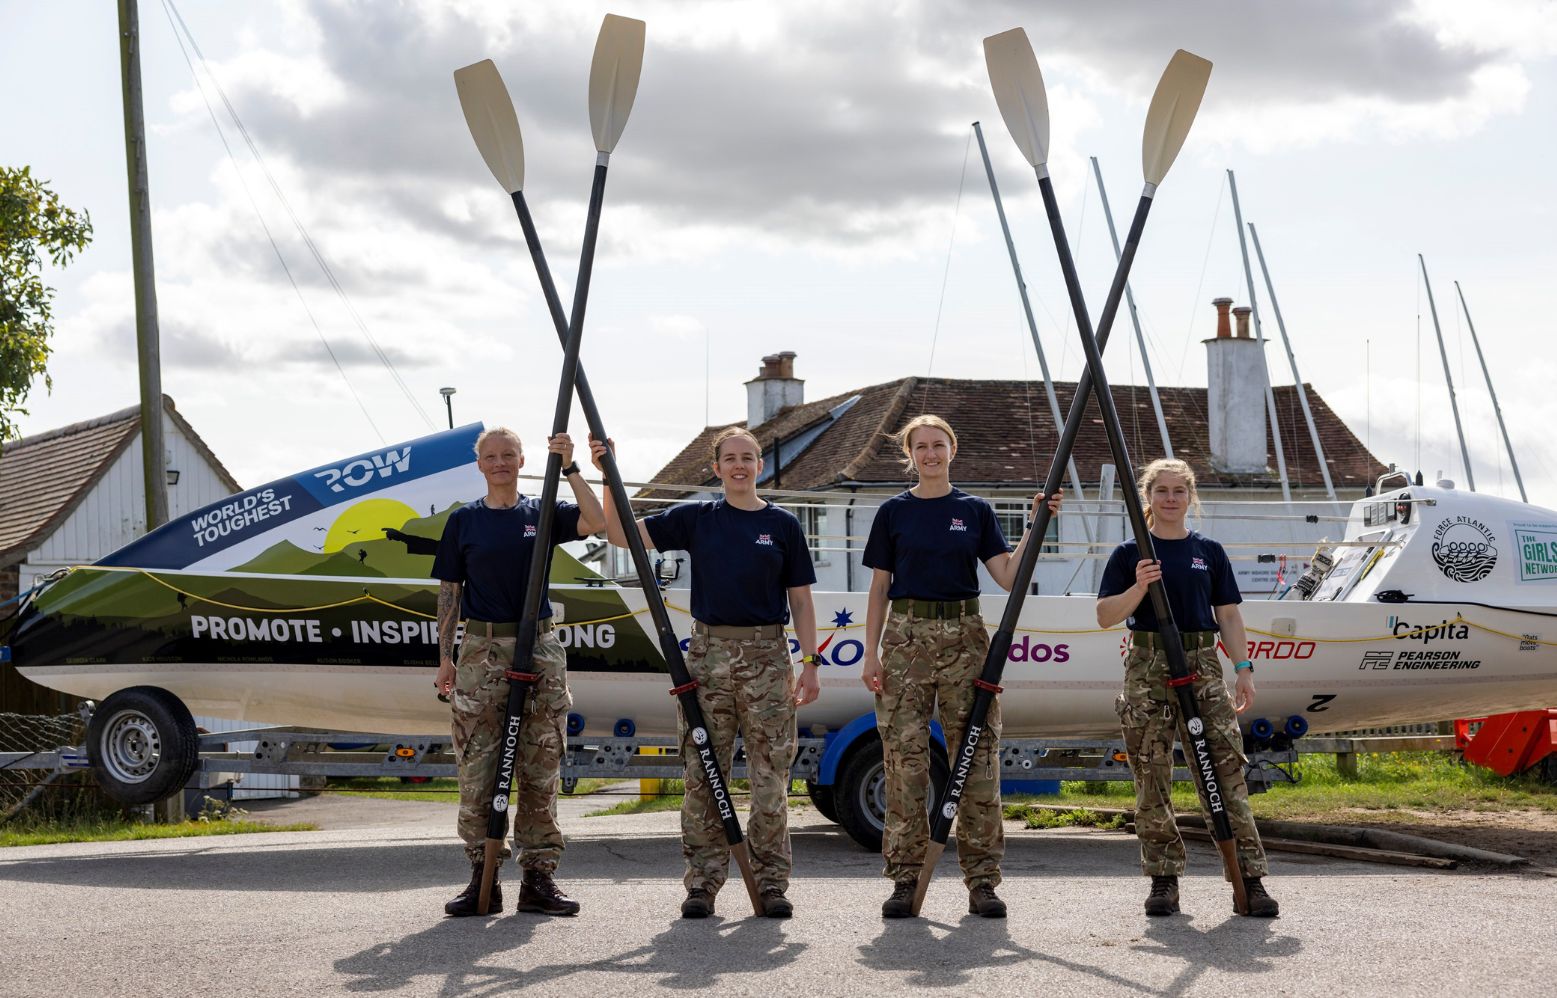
{"x":143,"y":745}
{"x":860,"y":793}
{"x":822,"y":799}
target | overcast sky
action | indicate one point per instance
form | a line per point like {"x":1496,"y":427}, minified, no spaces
{"x":794,"y":176}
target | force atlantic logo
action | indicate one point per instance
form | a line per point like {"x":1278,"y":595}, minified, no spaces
{"x":1196,"y":726}
{"x":1463,"y":549}
{"x":355,"y":474}
{"x":699,"y":736}
{"x":500,"y":802}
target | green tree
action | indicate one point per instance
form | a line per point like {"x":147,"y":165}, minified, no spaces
{"x":33,"y":224}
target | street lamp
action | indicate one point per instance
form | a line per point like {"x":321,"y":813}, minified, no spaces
{"x":448,"y":394}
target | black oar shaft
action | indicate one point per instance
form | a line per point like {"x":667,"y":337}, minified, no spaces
{"x":1000,"y":643}
{"x":670,"y":644}
{"x":540,"y":555}
{"x":1194,"y":731}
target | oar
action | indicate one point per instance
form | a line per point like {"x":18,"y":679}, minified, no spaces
{"x":613,"y":82}
{"x":1172,"y":111}
{"x":480,"y":86}
{"x":1019,"y":90}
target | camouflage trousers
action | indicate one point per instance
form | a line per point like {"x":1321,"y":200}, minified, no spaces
{"x":480,"y":700}
{"x":750,"y":685}
{"x":1149,"y":712}
{"x":930,"y":665}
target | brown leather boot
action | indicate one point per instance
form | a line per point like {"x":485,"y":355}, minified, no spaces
{"x":775,"y":904}
{"x":901,"y":903}
{"x":1164,"y":898}
{"x":699,"y":904}
{"x":464,"y":903}
{"x":985,"y":903}
{"x":539,"y":894}
{"x":1261,"y":904}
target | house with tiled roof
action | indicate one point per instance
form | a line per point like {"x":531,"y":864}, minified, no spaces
{"x":832,"y":460}
{"x":72,"y":495}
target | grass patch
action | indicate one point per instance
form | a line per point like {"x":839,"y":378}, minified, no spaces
{"x":1076,"y":818}
{"x":671,"y":792}
{"x":1432,"y":782}
{"x":121,"y":830}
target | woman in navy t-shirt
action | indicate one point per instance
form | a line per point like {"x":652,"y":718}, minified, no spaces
{"x":925,"y":548}
{"x":1203,"y":596}
{"x":751,"y":571}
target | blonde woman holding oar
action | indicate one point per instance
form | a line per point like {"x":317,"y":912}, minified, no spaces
{"x":751,"y":570}
{"x":925,"y":547}
{"x":1203,"y":596}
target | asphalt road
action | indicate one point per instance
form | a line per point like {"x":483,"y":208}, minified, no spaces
{"x":357,"y":907}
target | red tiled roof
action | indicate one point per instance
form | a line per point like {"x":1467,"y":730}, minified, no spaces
{"x":1007,"y":436}
{"x":43,"y":478}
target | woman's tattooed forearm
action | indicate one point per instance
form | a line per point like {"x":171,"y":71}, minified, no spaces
{"x":448,"y":617}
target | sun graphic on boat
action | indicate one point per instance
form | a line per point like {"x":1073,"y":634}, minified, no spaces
{"x":366,"y":521}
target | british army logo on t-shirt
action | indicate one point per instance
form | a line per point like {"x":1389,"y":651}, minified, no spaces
{"x":1199,"y":563}
{"x":529,"y":530}
{"x":957,"y":524}
{"x":765,"y":539}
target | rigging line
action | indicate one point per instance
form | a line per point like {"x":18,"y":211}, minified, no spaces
{"x":1189,"y":335}
{"x":268,"y":236}
{"x":302,"y":230}
{"x":946,"y":273}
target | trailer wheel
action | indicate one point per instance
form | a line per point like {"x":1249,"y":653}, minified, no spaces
{"x":822,"y":799}
{"x":860,"y":793}
{"x":143,"y":745}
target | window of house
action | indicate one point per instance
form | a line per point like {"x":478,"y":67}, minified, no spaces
{"x":813,"y":522}
{"x":1013,"y":520}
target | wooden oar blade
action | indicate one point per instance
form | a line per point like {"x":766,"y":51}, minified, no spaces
{"x":493,"y":124}
{"x":1019,"y":91}
{"x":613,"y":78}
{"x":1172,"y":111}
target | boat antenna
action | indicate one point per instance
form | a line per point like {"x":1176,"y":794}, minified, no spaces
{"x":1493,"y":392}
{"x":1459,"y":428}
{"x":1259,"y":334}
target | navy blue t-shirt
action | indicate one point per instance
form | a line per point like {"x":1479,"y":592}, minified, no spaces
{"x":742,"y":560}
{"x":488,"y":552}
{"x":933,"y":547}
{"x":1196,"y":576}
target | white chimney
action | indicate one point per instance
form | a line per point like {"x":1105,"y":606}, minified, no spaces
{"x":1235,"y":396}
{"x":775,"y":387}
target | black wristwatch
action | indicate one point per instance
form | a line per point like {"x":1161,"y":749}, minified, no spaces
{"x":571,"y":469}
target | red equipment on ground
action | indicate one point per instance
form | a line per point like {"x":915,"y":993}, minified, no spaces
{"x":1508,"y":743}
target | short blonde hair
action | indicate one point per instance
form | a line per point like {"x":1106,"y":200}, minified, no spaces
{"x":1171,"y":466}
{"x":919,"y":422}
{"x":498,"y":431}
{"x":730,"y":433}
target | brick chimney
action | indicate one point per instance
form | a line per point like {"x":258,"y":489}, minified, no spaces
{"x":1224,"y":327}
{"x":1235,"y":395}
{"x":775,"y":387}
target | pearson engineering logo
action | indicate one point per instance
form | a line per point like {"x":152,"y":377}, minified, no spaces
{"x":1463,"y":549}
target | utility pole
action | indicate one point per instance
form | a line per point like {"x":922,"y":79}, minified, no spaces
{"x":153,"y":451}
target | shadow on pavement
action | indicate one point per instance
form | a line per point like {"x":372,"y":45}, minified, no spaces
{"x":452,"y":951}
{"x":1235,"y":945}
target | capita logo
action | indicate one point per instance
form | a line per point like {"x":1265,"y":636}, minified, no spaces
{"x":958,"y":525}
{"x":1444,"y":630}
{"x":355,"y":474}
{"x":1463,"y":549}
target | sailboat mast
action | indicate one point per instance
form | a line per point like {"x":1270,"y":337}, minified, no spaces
{"x":1302,"y":393}
{"x":1135,"y":319}
{"x":1493,"y":392}
{"x":1259,"y":333}
{"x":1459,"y":428}
{"x":153,"y":453}
{"x":1027,"y":309}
